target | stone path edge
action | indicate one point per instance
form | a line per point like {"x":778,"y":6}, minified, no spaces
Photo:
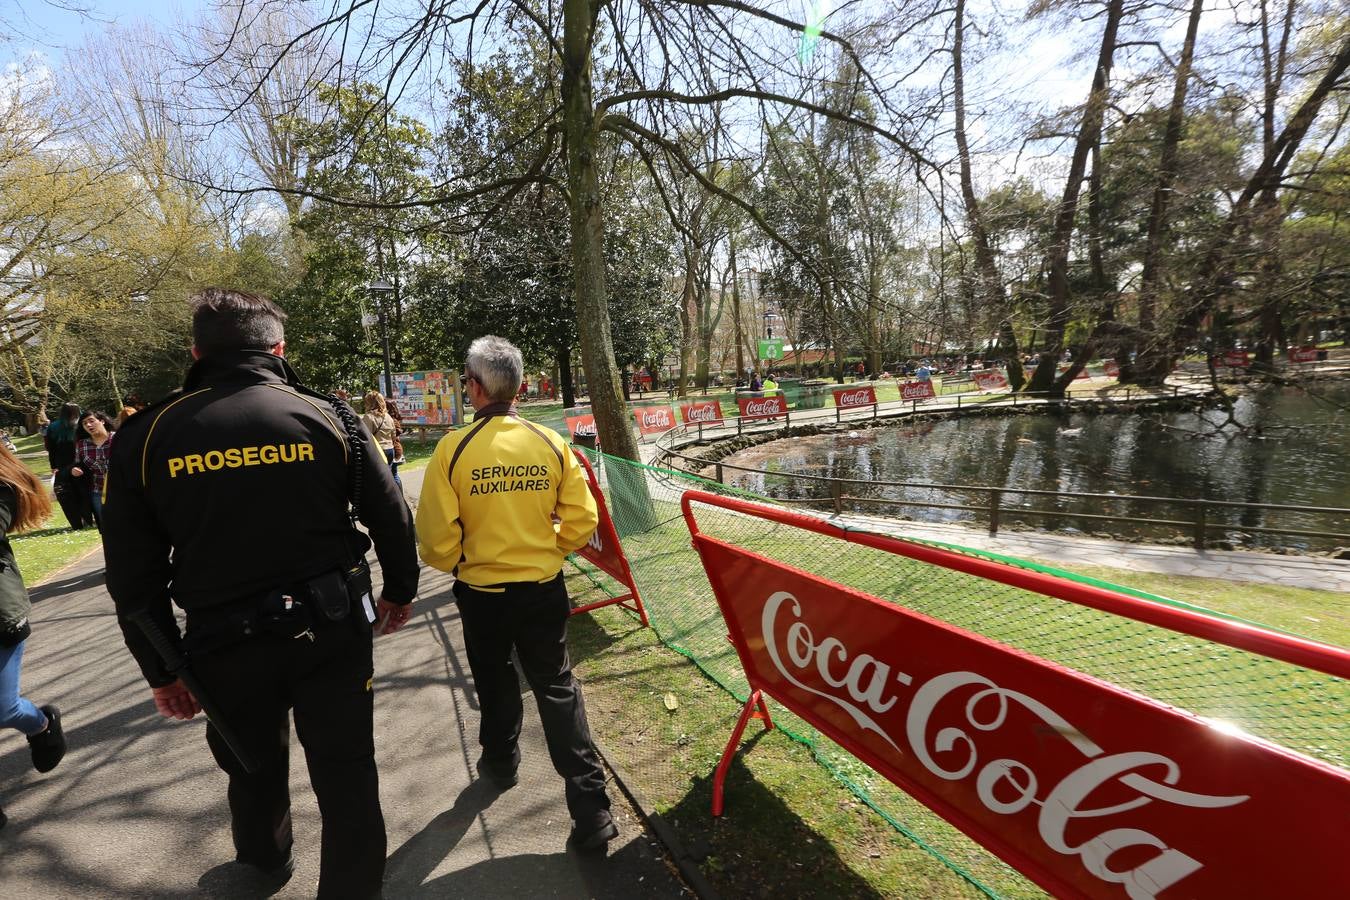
{"x":53,"y":576}
{"x":684,"y":861}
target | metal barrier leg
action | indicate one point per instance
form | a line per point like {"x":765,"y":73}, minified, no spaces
{"x":754,"y":709}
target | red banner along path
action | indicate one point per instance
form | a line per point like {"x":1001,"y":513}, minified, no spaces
{"x":581,"y":423}
{"x":990,"y":380}
{"x":1088,"y":789}
{"x":654,"y":419}
{"x":701,"y":412}
{"x":606,"y":553}
{"x":766,"y":407}
{"x":917,"y":390}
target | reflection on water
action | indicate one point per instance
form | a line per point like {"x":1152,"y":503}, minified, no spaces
{"x":1301,"y":455}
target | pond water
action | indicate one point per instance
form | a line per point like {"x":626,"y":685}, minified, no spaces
{"x":1301,"y":455}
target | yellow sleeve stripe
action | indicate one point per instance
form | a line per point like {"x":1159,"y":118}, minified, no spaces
{"x":327,"y":415}
{"x":145,"y":447}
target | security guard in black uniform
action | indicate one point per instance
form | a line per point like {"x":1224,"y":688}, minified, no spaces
{"x":231,"y":499}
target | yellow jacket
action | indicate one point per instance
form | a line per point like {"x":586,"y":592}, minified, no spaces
{"x":492,"y":516}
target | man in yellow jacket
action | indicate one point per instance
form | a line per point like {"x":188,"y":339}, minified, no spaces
{"x":503,"y":503}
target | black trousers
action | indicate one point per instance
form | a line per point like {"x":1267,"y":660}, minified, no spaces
{"x":327,"y":682}
{"x":532,"y":618}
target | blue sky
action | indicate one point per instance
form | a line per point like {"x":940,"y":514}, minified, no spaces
{"x":41,"y":26}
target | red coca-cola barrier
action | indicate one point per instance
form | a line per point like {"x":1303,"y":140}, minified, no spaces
{"x":990,"y":380}
{"x":857,"y":397}
{"x":1088,"y":789}
{"x":1302,"y":354}
{"x":701,"y":412}
{"x":606,"y":552}
{"x":1233,"y":359}
{"x":917,"y":390}
{"x":1111,"y":368}
{"x":581,"y":423}
{"x":654,"y":419}
{"x":767,"y":407}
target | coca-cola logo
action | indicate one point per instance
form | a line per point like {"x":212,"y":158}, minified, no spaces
{"x":1303,"y":354}
{"x":656,"y":418}
{"x":584,"y":428}
{"x":917,"y":391}
{"x":867,"y":689}
{"x":704,"y":412}
{"x":595,"y":544}
{"x":860,"y":397}
{"x":769,"y":406}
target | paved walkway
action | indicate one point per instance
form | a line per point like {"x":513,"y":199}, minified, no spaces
{"x":137,"y":809}
{"x":1068,"y":552}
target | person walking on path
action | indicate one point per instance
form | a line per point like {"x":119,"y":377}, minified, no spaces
{"x":23,"y":506}
{"x":383,"y":428}
{"x":503,"y":502}
{"x":91,"y":458}
{"x":231,"y":500}
{"x":71,"y":491}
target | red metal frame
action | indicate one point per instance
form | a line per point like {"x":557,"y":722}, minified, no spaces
{"x":720,"y":560}
{"x":1288,"y":648}
{"x":754,"y":709}
{"x":620,"y":571}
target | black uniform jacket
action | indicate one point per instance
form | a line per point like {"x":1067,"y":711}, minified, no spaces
{"x":235,"y":487}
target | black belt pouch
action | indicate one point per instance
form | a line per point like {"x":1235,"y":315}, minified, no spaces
{"x":328,"y":592}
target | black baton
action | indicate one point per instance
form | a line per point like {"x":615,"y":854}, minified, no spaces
{"x":177,"y":664}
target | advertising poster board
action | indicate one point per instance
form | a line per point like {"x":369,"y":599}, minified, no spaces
{"x":917,"y":390}
{"x":1088,"y":789}
{"x":606,"y":552}
{"x":581,"y":423}
{"x":766,"y":407}
{"x":701,"y":412}
{"x":855,"y":397}
{"x":653,"y":420}
{"x":990,"y":380}
{"x":428,"y":398}
{"x":1302,"y":354}
{"x":1111,"y":368}
{"x":1233,"y":359}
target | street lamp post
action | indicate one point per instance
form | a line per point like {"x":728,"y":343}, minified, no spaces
{"x":378,"y":288}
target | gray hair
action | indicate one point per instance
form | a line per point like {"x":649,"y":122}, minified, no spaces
{"x":495,"y":363}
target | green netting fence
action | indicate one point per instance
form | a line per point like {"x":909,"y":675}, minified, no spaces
{"x":1303,"y":710}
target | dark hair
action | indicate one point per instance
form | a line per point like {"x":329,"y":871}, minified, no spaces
{"x":103,"y":417}
{"x":224,"y":321}
{"x":70,"y":412}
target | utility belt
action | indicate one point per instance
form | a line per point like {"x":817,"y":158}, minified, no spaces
{"x":297,"y":611}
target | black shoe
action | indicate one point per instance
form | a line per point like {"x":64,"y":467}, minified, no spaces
{"x":499,"y":775}
{"x":271,"y":873}
{"x":243,"y":878}
{"x":3,"y":818}
{"x":49,"y":746}
{"x":594,"y":832}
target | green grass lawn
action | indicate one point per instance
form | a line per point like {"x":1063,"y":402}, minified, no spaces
{"x":793,"y":826}
{"x":45,"y":551}
{"x":51,"y":548}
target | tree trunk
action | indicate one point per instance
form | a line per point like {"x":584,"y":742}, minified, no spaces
{"x":1007,"y":344}
{"x":991,"y":283}
{"x":1215,"y":270}
{"x":588,"y":234}
{"x":736,"y":307}
{"x":1162,"y":191}
{"x":1089,"y":133}
{"x":564,"y":377}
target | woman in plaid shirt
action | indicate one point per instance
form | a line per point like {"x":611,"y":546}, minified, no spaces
{"x":91,"y":457}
